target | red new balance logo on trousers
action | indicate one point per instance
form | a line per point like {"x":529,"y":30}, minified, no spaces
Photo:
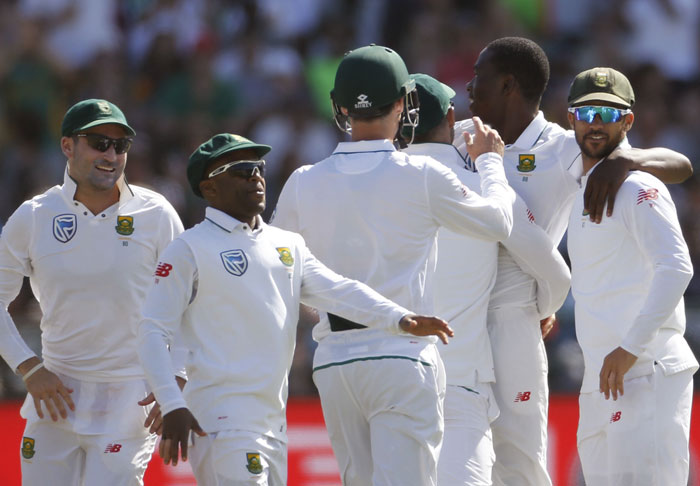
{"x":113,"y":448}
{"x":615,"y":417}
{"x":522,"y":396}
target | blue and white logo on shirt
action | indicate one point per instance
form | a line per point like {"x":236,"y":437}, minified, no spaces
{"x":64,"y":227}
{"x":235,"y":262}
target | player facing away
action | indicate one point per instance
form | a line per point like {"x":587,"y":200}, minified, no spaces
{"x":372,"y":213}
{"x":465,"y":275}
{"x":543,"y":165}
{"x":628,"y":277}
{"x":233,"y":285}
{"x":89,"y":247}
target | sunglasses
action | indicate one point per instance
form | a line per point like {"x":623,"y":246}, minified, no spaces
{"x":607,"y":114}
{"x":101,"y":143}
{"x":241,"y":168}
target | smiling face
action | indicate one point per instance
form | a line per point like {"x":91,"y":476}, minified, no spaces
{"x":597,"y":139}
{"x":95,"y":171}
{"x":240,"y":197}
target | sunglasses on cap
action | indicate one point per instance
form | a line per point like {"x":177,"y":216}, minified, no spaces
{"x":102,"y":143}
{"x":607,"y":114}
{"x":241,"y":168}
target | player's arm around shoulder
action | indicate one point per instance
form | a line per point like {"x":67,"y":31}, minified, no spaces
{"x":538,"y":256}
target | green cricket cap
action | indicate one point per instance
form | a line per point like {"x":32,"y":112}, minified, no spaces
{"x":90,"y":113}
{"x":434,"y":100}
{"x":212,"y":149}
{"x":601,"y":84}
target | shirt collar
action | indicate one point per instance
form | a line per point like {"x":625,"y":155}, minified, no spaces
{"x":531,"y":134}
{"x":70,"y":186}
{"x":439,"y":151}
{"x":229,"y":223}
{"x":365,"y":146}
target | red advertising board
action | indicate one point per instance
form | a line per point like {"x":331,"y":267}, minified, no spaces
{"x":311,"y":461}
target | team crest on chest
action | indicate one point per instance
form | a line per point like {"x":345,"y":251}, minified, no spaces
{"x":64,"y":227}
{"x":235,"y":262}
{"x":285,"y":256}
{"x":526,"y":162}
{"x":125,"y":225}
{"x":28,"y":447}
{"x":254,"y":463}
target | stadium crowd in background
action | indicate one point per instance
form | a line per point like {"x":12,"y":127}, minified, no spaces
{"x":184,"y":69}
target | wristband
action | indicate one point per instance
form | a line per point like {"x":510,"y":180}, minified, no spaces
{"x":32,"y":371}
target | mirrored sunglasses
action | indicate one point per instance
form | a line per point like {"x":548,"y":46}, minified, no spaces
{"x":102,"y":143}
{"x":241,"y":168}
{"x":607,"y":114}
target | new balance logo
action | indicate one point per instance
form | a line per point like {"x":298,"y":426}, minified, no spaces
{"x":112,"y":448}
{"x":530,"y":216}
{"x":163,"y":269}
{"x":615,"y":417}
{"x":522,"y":397}
{"x":362,"y":102}
{"x":645,"y":195}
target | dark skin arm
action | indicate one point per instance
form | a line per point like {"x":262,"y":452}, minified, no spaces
{"x":603,"y":183}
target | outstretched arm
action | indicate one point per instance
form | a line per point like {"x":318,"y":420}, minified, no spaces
{"x":603,"y":183}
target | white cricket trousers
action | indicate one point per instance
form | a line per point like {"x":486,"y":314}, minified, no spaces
{"x":640,"y":439}
{"x":238,"y":458}
{"x":384,"y":416}
{"x":102,"y":442}
{"x":522,"y":395}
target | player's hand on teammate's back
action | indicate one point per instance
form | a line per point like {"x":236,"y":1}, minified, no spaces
{"x":604,"y":182}
{"x":612,"y":374}
{"x":177,"y":426}
{"x":47,"y":386}
{"x":426,"y":326}
{"x":484,"y":140}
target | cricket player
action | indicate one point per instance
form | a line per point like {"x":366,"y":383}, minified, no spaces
{"x":543,"y":165}
{"x":464,"y":278}
{"x":372,"y":213}
{"x":233,"y":285}
{"x":89,"y":247}
{"x":628,"y":277}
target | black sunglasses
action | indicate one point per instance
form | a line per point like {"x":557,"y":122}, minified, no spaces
{"x":102,"y":143}
{"x":241,"y":168}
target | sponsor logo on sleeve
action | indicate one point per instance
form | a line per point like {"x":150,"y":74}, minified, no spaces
{"x":647,"y":195}
{"x":235,"y":262}
{"x":64,"y":227}
{"x":254,"y":463}
{"x":28,"y":447}
{"x":530,"y":216}
{"x":163,"y":269}
{"x":285,"y":256}
{"x":125,"y":225}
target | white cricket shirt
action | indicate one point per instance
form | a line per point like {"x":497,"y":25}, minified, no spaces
{"x":543,"y":167}
{"x":89,"y":274}
{"x":628,"y":277}
{"x":372,"y":213}
{"x":466,"y":272}
{"x":235,"y":293}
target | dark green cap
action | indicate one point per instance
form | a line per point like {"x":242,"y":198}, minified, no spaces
{"x":434,"y":99}
{"x":601,"y":84}
{"x":90,"y":113}
{"x":369,"y":78}
{"x":214,"y":148}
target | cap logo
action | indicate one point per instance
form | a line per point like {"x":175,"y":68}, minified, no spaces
{"x":601,"y":79}
{"x":104,"y":107}
{"x":362,"y":102}
{"x":238,"y":138}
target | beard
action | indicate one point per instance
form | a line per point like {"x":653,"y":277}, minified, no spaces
{"x":599,"y":149}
